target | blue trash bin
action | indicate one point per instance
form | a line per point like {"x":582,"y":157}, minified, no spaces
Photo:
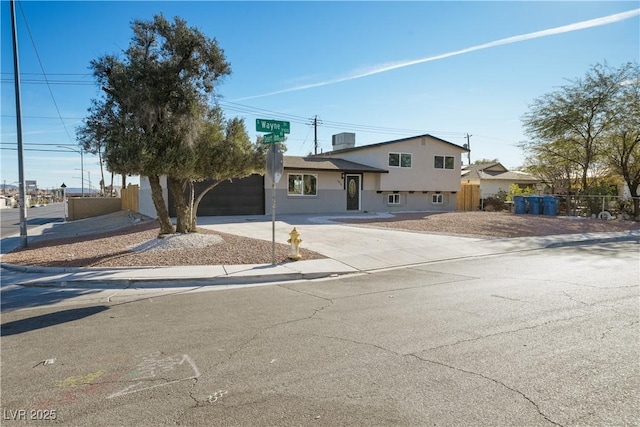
{"x":550,"y":204}
{"x":535,"y":205}
{"x":519,"y":205}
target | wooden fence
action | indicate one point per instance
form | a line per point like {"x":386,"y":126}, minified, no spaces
{"x":468,"y":198}
{"x":129,"y":198}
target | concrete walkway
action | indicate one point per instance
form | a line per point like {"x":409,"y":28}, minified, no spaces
{"x":349,"y":249}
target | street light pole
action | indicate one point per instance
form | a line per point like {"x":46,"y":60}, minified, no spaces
{"x":88,"y":180}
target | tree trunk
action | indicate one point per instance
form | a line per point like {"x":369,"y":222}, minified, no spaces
{"x":111,"y":190}
{"x":192,"y":208}
{"x":633,"y":191}
{"x":197,"y":201}
{"x":166,"y":227}
{"x":102,"y":182}
{"x":183,"y":219}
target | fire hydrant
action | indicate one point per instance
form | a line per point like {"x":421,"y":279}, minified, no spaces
{"x":294,"y":241}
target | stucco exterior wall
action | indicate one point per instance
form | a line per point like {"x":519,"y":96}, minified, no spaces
{"x":422,"y":175}
{"x":491,"y":188}
{"x":146,"y":202}
{"x":417,"y":201}
{"x":332,"y":197}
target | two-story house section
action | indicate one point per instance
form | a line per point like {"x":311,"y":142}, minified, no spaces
{"x":420,"y":173}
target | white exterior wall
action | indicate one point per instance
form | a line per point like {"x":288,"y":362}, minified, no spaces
{"x":332,"y":196}
{"x":410,"y":202}
{"x":491,"y":188}
{"x":145,"y":201}
{"x":421,"y":176}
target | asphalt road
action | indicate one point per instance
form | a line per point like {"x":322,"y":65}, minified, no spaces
{"x":10,"y":218}
{"x":547,"y":337}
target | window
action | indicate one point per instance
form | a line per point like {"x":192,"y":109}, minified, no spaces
{"x":444,"y":162}
{"x":303,"y":185}
{"x":393,"y":199}
{"x":436,"y":199}
{"x":400,"y":160}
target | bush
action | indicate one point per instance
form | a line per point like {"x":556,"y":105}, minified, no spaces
{"x":493,"y":204}
{"x":516,"y":190}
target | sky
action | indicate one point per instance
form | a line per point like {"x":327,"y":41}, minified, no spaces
{"x":461,"y":71}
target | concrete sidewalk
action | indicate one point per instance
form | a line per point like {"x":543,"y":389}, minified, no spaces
{"x":349,"y":249}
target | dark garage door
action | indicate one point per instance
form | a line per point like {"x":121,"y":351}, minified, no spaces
{"x":243,"y":196}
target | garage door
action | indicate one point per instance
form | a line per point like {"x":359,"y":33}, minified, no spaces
{"x":243,"y":196}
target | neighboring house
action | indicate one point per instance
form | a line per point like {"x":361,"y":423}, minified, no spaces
{"x":6,"y":202}
{"x":494,"y":178}
{"x":420,"y":173}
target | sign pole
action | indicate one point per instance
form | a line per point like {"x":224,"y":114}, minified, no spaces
{"x":273,"y":206}
{"x":278,"y":129}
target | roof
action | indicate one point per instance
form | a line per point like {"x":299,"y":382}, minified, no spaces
{"x":509,"y":176}
{"x":493,"y":168}
{"x":327,"y":164}
{"x":495,"y":171}
{"x":362,"y":147}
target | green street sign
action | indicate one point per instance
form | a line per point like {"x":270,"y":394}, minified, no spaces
{"x":263,"y":125}
{"x":272,"y":138}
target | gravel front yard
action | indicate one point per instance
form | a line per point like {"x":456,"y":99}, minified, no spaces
{"x":495,"y":224}
{"x":138,"y":245}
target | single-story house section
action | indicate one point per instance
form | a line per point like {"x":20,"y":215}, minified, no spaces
{"x":419,"y":173}
{"x":322,"y":185}
{"x":494,"y":178}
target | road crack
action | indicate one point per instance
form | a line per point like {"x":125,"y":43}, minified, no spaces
{"x":422,"y":359}
{"x":526,"y":328}
{"x":493,"y":380}
{"x":328,"y":302}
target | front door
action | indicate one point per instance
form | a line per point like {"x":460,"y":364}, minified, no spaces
{"x":353,"y":192}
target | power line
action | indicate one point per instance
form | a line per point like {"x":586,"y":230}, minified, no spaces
{"x":36,"y":143}
{"x":41,"y":117}
{"x":256,"y":112}
{"x":43,"y":72}
{"x":51,"y":82}
{"x":34,"y":149}
{"x":23,"y":73}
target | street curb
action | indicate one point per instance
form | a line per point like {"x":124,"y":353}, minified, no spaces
{"x":635,"y":238}
{"x":178,"y":280}
{"x":181,"y":282}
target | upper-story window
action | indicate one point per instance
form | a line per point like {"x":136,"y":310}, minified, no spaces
{"x":400,"y":160}
{"x":444,"y":162}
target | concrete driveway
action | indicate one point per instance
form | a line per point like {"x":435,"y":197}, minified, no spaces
{"x":359,"y":247}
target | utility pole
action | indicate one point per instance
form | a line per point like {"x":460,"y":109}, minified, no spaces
{"x":315,"y":134}
{"x":469,"y":148}
{"x":23,"y":190}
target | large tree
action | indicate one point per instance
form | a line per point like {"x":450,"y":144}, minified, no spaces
{"x":156,"y":99}
{"x":225,"y":152}
{"x":573,"y":123}
{"x":623,"y":144}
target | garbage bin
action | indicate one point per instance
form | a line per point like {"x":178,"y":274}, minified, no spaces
{"x":519,"y":205}
{"x":535,"y":204}
{"x":550,"y":205}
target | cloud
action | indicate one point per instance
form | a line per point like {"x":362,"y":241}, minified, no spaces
{"x":383,"y":68}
